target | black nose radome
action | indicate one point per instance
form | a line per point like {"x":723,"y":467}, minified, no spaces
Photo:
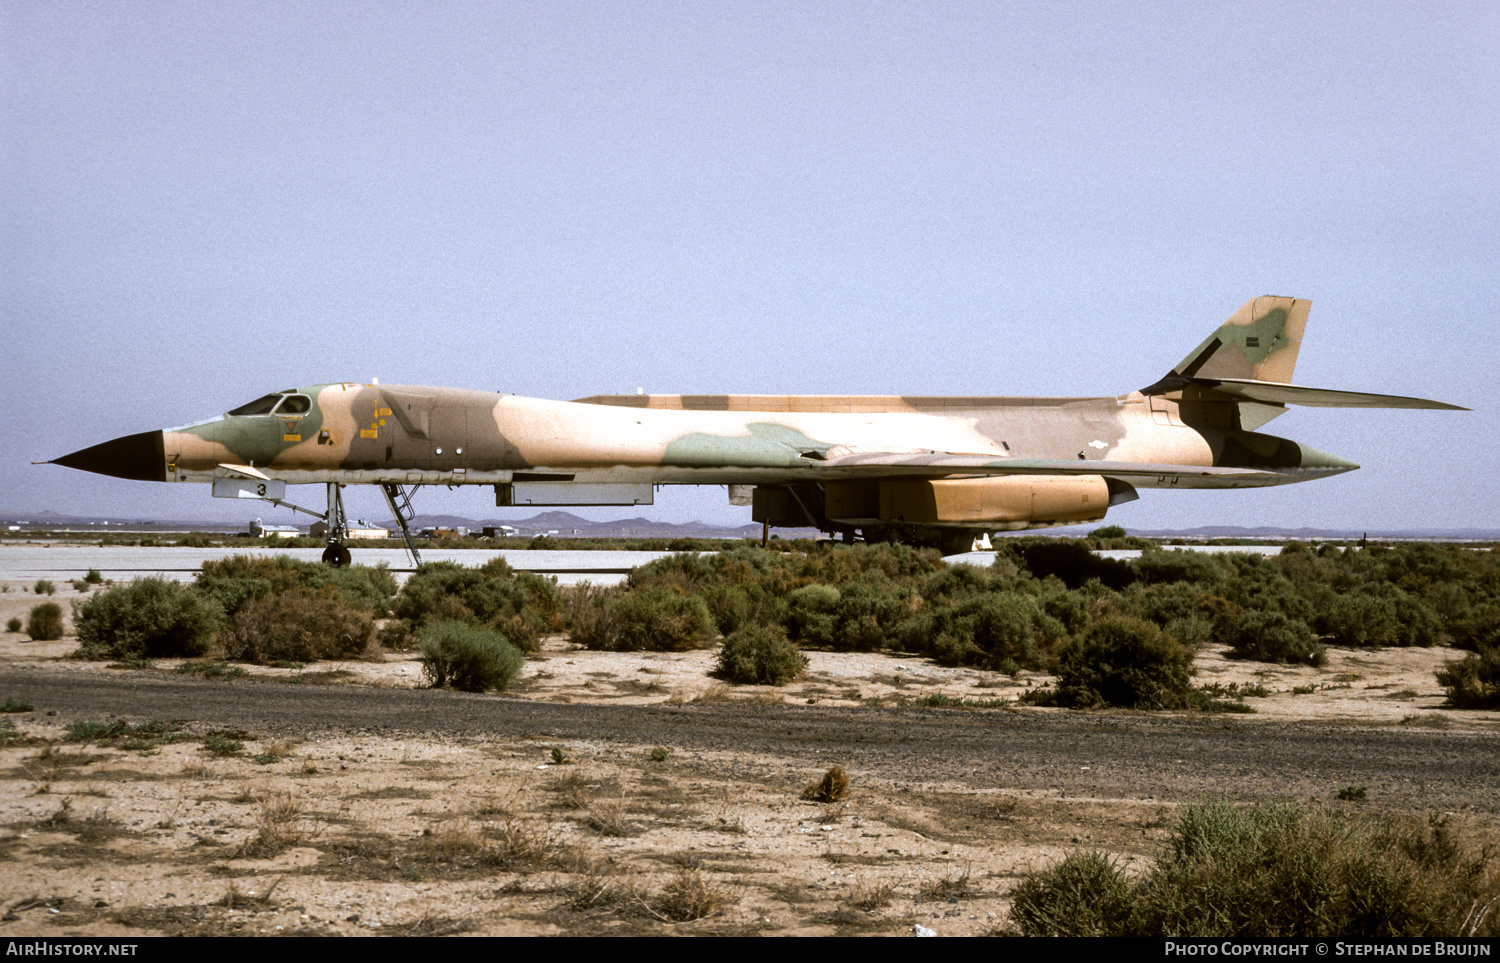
{"x":138,"y":457}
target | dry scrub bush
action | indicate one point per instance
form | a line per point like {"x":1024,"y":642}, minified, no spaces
{"x":470,"y":659}
{"x":234,"y":581}
{"x":453,"y":841}
{"x":871,"y":896}
{"x":521,"y":843}
{"x":831,"y":788}
{"x":659,"y":620}
{"x":1274,"y":871}
{"x":687,"y":897}
{"x":609,"y":818}
{"x":812,"y":614}
{"x":276,"y":828}
{"x":1123,"y":661}
{"x":1086,"y":894}
{"x":297,"y":628}
{"x":993,"y":630}
{"x":589,"y":621}
{"x":522,"y":606}
{"x":45,"y":622}
{"x":572,"y":790}
{"x":593,"y":890}
{"x":947,"y":888}
{"x":235,"y":898}
{"x":713,"y":694}
{"x":1378,"y":616}
{"x":1274,"y":637}
{"x":1474,"y":681}
{"x":653,"y":619}
{"x":149,"y":618}
{"x":759,"y":655}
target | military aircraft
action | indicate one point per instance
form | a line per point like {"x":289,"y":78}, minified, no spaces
{"x":927,"y":470}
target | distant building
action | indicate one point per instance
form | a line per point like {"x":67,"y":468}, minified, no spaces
{"x":320,"y":530}
{"x":458,"y":531}
{"x":259,"y":529}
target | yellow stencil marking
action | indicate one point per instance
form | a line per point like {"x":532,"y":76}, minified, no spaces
{"x":291,"y":437}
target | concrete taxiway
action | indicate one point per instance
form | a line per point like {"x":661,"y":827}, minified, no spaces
{"x":26,"y":562}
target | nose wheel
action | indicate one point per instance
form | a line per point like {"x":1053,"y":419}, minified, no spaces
{"x":336,"y":555}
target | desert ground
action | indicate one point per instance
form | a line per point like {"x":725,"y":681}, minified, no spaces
{"x":633,"y":794}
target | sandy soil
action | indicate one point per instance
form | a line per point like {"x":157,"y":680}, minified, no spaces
{"x":361,"y":831}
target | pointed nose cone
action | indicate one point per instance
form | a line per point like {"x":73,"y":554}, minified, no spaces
{"x":1322,"y":461}
{"x":139,"y":457}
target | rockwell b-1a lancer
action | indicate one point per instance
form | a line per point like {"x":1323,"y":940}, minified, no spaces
{"x":929,"y":470}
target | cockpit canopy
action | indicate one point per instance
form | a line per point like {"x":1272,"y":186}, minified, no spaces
{"x":287,"y":402}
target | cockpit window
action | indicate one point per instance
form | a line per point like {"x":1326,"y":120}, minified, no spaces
{"x":260,"y":406}
{"x":282,"y":402}
{"x":294,"y":405}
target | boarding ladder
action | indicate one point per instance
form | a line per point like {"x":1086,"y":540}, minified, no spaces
{"x":400,"y":501}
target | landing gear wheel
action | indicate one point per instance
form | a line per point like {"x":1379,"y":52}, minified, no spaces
{"x":337,"y":556}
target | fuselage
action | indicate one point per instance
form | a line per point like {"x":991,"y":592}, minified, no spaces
{"x":362,"y":434}
{"x":928,"y":470}
{"x":912,"y":468}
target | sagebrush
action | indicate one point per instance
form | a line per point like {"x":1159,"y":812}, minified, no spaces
{"x":522,"y":606}
{"x":1274,"y":871}
{"x":460,"y":656}
{"x":1128,"y":662}
{"x":759,"y":655}
{"x":45,"y":622}
{"x":149,"y":618}
{"x":1474,"y":681}
{"x":297,"y":628}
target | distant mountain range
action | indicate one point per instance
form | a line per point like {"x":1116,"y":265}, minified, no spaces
{"x":566,"y":524}
{"x":569,"y":525}
{"x":1313,"y":534}
{"x":554,"y":522}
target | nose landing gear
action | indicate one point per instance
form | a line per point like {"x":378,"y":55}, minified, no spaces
{"x":399,"y":499}
{"x":336,"y":554}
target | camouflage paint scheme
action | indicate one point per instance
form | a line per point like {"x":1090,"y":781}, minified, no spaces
{"x":1192,"y":429}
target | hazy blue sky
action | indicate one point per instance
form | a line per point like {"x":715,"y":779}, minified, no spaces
{"x":203,"y":202}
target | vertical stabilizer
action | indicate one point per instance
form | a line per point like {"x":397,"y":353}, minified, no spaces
{"x":1259,"y":342}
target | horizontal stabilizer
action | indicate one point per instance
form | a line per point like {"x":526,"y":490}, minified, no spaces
{"x":1275,"y":393}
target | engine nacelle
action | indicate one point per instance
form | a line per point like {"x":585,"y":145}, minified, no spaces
{"x":995,"y":503}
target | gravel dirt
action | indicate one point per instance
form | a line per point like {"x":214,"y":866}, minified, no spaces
{"x":632,"y":794}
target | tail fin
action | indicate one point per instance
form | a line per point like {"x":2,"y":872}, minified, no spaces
{"x":1259,"y":342}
